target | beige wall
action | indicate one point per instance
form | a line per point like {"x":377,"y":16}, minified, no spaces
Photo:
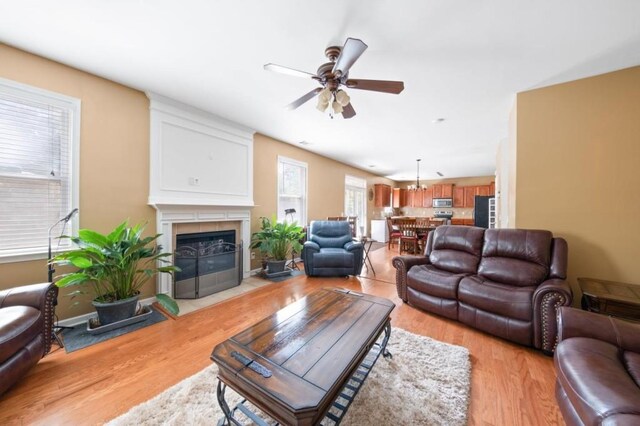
{"x":578,"y":171}
{"x":114,"y":156}
{"x":325,"y":182}
{"x":458,"y":212}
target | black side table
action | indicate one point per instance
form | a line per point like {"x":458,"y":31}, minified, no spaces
{"x":366,"y":243}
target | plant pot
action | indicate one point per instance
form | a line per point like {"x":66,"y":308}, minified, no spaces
{"x":274,"y":266}
{"x":109,"y":312}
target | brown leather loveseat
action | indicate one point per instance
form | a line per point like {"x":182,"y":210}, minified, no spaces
{"x":507,"y":282}
{"x":26,"y":322}
{"x":598,"y":369}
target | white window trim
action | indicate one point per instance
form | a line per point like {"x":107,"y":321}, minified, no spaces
{"x":74,"y":105}
{"x":364,"y":225}
{"x":283,"y":159}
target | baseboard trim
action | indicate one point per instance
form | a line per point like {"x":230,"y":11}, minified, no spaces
{"x":73,"y":321}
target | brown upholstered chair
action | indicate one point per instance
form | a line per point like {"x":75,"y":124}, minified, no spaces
{"x":598,"y":369}
{"x":507,"y":282}
{"x":26,"y":324}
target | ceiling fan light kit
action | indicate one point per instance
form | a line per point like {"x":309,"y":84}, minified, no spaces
{"x":335,"y":73}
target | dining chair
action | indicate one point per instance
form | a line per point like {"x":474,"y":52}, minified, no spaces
{"x":409,"y":235}
{"x":393,"y":231}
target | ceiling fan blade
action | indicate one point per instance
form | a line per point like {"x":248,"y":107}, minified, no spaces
{"x":350,"y":53}
{"x":348,"y":111}
{"x":295,"y":104}
{"x":288,"y":71}
{"x":376,"y":85}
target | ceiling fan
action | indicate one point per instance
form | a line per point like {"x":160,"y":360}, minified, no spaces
{"x":334,"y":74}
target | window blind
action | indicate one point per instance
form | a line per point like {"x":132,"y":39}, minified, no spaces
{"x":35,"y":170}
{"x":292,"y":189}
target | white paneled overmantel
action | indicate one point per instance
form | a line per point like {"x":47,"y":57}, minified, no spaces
{"x":198,"y":158}
{"x":201,"y":170}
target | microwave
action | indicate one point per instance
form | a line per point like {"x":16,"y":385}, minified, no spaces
{"x":442,"y":202}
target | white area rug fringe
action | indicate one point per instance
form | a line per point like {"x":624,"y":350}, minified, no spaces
{"x":425,"y":383}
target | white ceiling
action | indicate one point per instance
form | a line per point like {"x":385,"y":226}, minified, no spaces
{"x":462,"y":60}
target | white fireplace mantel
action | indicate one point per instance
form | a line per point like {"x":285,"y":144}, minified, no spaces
{"x":201,"y":170}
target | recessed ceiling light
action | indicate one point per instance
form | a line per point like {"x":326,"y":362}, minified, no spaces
{"x":304,"y":143}
{"x":438,"y":120}
{"x":439,"y":174}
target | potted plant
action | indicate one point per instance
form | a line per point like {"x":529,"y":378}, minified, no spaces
{"x":276,"y":241}
{"x":116,"y":266}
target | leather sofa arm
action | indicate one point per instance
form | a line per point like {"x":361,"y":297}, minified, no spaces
{"x":547,"y":299}
{"x":43,"y":297}
{"x":308,"y":249}
{"x":352,"y":246}
{"x":402,"y":265}
{"x":577,"y":323}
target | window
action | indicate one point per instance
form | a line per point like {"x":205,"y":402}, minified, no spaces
{"x":292,"y":189}
{"x":39,"y":138}
{"x":355,"y":203}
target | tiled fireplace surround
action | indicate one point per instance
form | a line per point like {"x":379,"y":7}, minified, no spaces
{"x":201,"y":176}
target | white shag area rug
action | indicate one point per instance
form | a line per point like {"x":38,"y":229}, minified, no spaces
{"x":425,"y":383}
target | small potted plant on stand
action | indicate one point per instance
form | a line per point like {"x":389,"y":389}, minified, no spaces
{"x":116,"y":266}
{"x":276,"y":241}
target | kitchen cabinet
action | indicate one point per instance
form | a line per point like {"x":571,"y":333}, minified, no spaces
{"x":382,"y":195}
{"x":482,"y":190}
{"x":442,"y":190}
{"x":460,"y":221}
{"x":469,"y":196}
{"x":418,"y":196}
{"x":447,"y":190}
{"x":458,"y":196}
{"x":437,"y":191}
{"x":427,"y":197}
{"x":492,"y":188}
{"x":399,"y":197}
{"x":410,"y":196}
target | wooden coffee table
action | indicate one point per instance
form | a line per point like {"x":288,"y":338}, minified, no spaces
{"x":304,"y":364}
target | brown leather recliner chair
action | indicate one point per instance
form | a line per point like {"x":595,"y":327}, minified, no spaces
{"x":598,"y":369}
{"x":26,"y":323}
{"x":507,"y":282}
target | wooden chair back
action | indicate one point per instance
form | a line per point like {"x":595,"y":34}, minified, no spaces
{"x":353,"y":222}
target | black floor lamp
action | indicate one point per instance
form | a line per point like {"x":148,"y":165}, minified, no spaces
{"x":289,"y":214}
{"x":51,"y":270}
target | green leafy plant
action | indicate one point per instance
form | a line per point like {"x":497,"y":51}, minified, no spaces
{"x":276,"y":240}
{"x":116,"y":265}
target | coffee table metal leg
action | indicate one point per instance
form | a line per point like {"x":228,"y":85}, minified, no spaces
{"x":385,"y":340}
{"x":339,"y":408}
{"x":228,"y":415}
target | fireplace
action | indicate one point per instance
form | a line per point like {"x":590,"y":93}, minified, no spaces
{"x":200,"y":180}
{"x":209,"y":262}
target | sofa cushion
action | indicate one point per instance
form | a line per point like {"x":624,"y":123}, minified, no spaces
{"x":497,"y":298}
{"x":517,"y":257}
{"x":456,"y":249}
{"x":332,"y":234}
{"x":595,"y":380}
{"x":333,"y":258}
{"x":19,"y":325}
{"x":508,"y":328}
{"x":632,"y":363}
{"x":437,"y":282}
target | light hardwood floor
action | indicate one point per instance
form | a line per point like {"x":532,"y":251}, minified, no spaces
{"x":511,"y":385}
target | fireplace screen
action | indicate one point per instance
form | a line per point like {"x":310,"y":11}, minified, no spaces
{"x":209,"y":262}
